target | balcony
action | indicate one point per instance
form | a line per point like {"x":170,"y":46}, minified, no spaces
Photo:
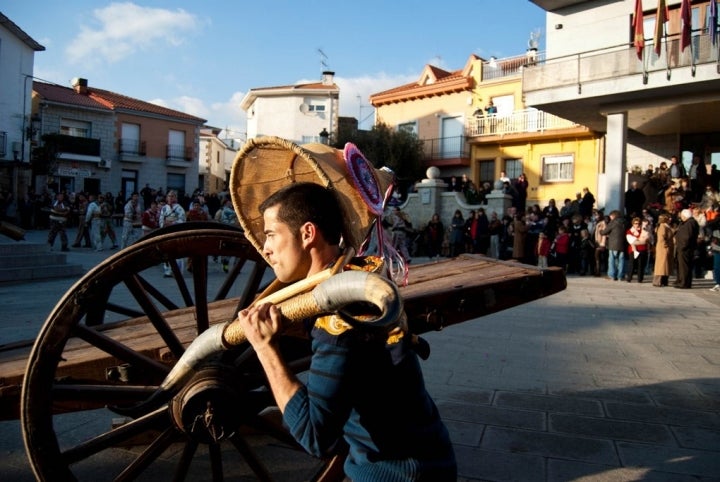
{"x":73,"y":148}
{"x":529,"y":121}
{"x":446,"y":151}
{"x":669,"y":93}
{"x":178,"y":155}
{"x":131,"y":150}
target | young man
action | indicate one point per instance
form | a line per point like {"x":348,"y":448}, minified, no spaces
{"x":364,"y":387}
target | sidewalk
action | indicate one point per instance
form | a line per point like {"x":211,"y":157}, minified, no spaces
{"x":606,"y":381}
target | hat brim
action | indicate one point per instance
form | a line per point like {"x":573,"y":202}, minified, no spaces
{"x":267,"y":164}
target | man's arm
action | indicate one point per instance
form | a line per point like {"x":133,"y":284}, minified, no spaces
{"x":260,"y":325}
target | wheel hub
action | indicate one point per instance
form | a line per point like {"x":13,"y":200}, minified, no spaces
{"x":209,"y":407}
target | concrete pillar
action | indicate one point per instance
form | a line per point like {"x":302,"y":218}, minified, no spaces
{"x":429,"y":191}
{"x":613,"y":182}
{"x":498,"y":201}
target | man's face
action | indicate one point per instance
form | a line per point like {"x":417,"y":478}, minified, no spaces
{"x":284,"y":248}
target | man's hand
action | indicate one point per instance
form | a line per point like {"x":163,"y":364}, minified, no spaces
{"x":260,"y":324}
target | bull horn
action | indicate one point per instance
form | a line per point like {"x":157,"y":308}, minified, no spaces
{"x":329,"y":296}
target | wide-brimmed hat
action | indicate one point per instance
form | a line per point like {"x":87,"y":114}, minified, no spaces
{"x":267,"y":164}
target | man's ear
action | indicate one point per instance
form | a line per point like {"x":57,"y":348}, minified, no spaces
{"x":308,"y":233}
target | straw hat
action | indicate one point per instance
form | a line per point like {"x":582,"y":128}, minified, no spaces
{"x":266,"y":164}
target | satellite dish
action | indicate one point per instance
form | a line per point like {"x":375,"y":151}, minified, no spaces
{"x":304,"y":108}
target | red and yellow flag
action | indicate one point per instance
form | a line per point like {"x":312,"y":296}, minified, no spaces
{"x":639,"y":37}
{"x":660,"y":18}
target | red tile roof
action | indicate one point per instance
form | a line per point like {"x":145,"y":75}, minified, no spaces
{"x":105,"y":99}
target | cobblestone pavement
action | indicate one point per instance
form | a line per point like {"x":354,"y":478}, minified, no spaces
{"x":606,"y":381}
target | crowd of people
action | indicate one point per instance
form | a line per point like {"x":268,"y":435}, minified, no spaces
{"x":670,"y":227}
{"x":104,"y":220}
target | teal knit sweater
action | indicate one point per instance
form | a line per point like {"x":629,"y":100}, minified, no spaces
{"x":372,"y":395}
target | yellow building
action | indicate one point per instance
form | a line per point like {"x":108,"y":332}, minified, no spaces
{"x":451,"y":113}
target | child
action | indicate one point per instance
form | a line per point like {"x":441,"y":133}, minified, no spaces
{"x":587,"y":253}
{"x":562,"y":247}
{"x":543,"y":250}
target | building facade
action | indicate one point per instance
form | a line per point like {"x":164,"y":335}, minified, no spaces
{"x":301,"y":113}
{"x":650,"y":99}
{"x":216,"y":159}
{"x":452,"y":113}
{"x":95,"y":140}
{"x":17,"y":59}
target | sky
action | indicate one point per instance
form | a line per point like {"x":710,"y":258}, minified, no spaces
{"x":203,"y":57}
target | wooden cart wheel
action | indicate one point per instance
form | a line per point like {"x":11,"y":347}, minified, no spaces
{"x":112,"y":339}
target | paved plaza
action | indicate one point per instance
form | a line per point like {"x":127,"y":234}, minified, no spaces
{"x":605,"y":381}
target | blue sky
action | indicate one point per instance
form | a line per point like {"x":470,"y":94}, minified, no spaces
{"x":203,"y":57}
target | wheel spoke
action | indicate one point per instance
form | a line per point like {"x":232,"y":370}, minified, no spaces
{"x":102,"y":394}
{"x":180,"y":280}
{"x":216,"y":462}
{"x":200,"y":273}
{"x":155,"y":293}
{"x":155,"y":317}
{"x":252,"y":460}
{"x":149,"y":455}
{"x":119,"y":350}
{"x":185,"y":459}
{"x":152,"y":420}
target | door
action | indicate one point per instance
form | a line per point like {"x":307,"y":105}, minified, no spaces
{"x":451,"y":137}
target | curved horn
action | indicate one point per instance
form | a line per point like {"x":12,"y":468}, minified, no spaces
{"x":330,"y":296}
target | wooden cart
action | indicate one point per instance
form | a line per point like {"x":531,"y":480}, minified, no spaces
{"x":116,"y":334}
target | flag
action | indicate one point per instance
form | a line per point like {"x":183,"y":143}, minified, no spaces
{"x":686,"y":25}
{"x":660,"y":18}
{"x":713,"y":22}
{"x":639,"y":38}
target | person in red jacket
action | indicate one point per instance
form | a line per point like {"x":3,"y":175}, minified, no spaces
{"x":543,"y":250}
{"x":637,"y":239}
{"x":561,"y":247}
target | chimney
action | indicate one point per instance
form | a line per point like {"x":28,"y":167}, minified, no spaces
{"x":80,"y":85}
{"x":328,"y":78}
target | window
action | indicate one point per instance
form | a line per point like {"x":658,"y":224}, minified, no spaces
{"x":177,"y":183}
{"x":130,"y":140}
{"x":558,"y":168}
{"x":3,"y":143}
{"x":410,"y":127}
{"x":487,"y":171}
{"x":513,"y":168}
{"x":316,"y":107}
{"x":75,"y":128}
{"x":176,"y":145}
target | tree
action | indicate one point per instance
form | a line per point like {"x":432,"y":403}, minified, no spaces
{"x":384,"y":146}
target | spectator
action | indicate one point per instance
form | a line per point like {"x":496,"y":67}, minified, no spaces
{"x":615,"y":232}
{"x":457,"y":234}
{"x":634,"y":200}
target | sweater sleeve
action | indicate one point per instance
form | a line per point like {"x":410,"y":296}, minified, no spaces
{"x":317,"y":413}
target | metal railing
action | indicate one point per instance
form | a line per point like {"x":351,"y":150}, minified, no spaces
{"x":619,"y":61}
{"x":507,"y":67}
{"x":73,"y":145}
{"x":132,"y":147}
{"x":519,"y":122}
{"x":178,"y":152}
{"x":446,"y":148}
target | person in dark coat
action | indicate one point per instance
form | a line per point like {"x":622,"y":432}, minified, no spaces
{"x":685,"y":244}
{"x":586,"y":203}
{"x":634,"y":200}
{"x":615,"y":232}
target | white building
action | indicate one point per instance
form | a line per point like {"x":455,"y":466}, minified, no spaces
{"x":215,"y":161}
{"x":650,"y":104}
{"x":17,"y":58}
{"x":299,"y":113}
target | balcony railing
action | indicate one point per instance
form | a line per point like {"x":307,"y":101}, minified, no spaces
{"x":618,"y":61}
{"x":519,"y":122}
{"x":499,"y":68}
{"x":446,"y":148}
{"x":179,"y":153}
{"x":132,"y":147}
{"x":65,"y":144}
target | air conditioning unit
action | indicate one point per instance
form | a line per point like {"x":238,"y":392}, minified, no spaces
{"x":104,"y":163}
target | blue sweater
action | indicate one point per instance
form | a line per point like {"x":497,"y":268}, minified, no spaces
{"x":371,"y":393}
